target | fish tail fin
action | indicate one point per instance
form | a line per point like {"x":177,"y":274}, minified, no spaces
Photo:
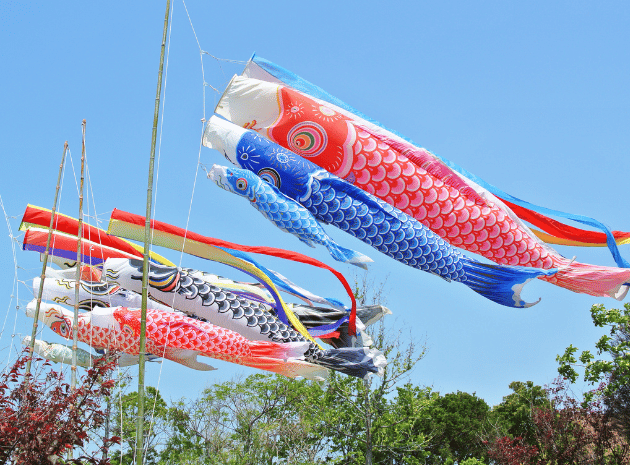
{"x":124,"y":360}
{"x":595,"y":280}
{"x":184,"y":357}
{"x":360,"y":362}
{"x":275,"y":350}
{"x":501,"y":283}
{"x":291,"y":368}
{"x":370,"y":314}
{"x":353,"y":257}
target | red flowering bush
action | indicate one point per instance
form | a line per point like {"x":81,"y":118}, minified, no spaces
{"x":511,"y":451}
{"x":566,"y":431}
{"x":41,"y":417}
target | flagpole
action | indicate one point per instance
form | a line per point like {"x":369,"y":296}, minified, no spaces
{"x":145,"y":267}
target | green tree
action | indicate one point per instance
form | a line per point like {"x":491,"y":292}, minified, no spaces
{"x":364,"y":423}
{"x":563,"y":430}
{"x":456,"y":423}
{"x":614,"y":370}
{"x":261,"y":419}
{"x":272,"y":419}
{"x":513,"y":416}
{"x":472,"y":461}
{"x":155,"y":425}
{"x":265,"y":419}
{"x":618,"y":403}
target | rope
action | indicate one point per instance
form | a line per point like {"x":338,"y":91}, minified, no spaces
{"x":17,"y":281}
{"x":203,"y":120}
{"x":74,"y":174}
{"x":201,"y":52}
{"x":240,"y":62}
{"x":90,"y":194}
{"x":15,"y":276}
{"x":15,"y":287}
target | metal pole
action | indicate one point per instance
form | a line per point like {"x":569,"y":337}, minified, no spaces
{"x":145,"y":267}
{"x":45,"y":260}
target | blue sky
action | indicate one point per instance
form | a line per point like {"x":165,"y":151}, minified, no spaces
{"x":531,"y":97}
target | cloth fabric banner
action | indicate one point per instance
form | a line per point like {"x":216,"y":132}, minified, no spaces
{"x":40,"y":217}
{"x":265,"y":70}
{"x":409,"y":178}
{"x":165,"y":235}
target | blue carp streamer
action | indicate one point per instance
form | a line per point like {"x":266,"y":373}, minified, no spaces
{"x":334,"y":201}
{"x":284,"y":212}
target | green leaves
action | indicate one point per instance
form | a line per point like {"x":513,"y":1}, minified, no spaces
{"x":155,"y":424}
{"x":614,"y":370}
{"x":254,"y":420}
{"x":513,"y":416}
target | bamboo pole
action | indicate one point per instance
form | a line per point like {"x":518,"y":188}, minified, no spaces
{"x":75,"y":318}
{"x":145,"y":267}
{"x":45,"y":260}
{"x":108,"y":413}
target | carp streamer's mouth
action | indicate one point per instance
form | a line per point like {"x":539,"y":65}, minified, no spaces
{"x":218,"y":175}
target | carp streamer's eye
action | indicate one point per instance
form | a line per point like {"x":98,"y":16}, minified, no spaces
{"x":61,"y":328}
{"x":241,"y":183}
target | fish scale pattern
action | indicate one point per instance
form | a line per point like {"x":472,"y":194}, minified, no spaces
{"x":356,"y":155}
{"x":288,"y":216}
{"x":386,"y":229}
{"x":284,"y":212}
{"x":333,"y":200}
{"x":390,"y":231}
{"x":175,"y":330}
{"x":186,"y":291}
{"x":409,"y":178}
{"x":175,"y":337}
{"x":168,"y":334}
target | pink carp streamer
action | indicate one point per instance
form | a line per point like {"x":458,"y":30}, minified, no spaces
{"x":408,"y":178}
{"x":553,"y":231}
{"x":175,"y":337}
